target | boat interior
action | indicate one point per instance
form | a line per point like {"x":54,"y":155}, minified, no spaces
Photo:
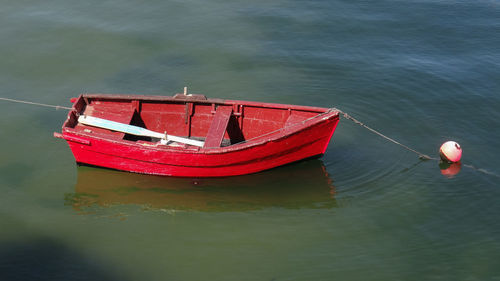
{"x":218,"y":123}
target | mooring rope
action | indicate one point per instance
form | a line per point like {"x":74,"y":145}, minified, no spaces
{"x":36,"y":103}
{"x":421,"y":155}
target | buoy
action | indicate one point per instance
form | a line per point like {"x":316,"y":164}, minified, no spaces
{"x":450,"y":151}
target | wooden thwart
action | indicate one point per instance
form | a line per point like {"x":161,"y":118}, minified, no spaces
{"x":218,"y":126}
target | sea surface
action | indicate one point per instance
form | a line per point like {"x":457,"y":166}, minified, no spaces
{"x":420,"y":71}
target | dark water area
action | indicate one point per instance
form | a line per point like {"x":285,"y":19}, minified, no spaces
{"x":421,"y":72}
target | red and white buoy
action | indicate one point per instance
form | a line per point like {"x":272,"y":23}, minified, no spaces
{"x":450,"y":151}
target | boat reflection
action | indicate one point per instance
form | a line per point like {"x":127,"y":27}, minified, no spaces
{"x":301,"y":185}
{"x":450,"y":170}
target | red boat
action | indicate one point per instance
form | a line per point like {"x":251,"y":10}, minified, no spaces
{"x":192,"y":136}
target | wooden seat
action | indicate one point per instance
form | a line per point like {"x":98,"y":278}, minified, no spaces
{"x":218,"y":127}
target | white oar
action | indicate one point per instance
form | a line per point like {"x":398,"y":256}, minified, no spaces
{"x":134,"y":130}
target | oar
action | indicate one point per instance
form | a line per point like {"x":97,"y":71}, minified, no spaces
{"x":134,"y":130}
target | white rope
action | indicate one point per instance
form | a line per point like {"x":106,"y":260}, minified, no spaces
{"x":36,"y":103}
{"x":421,"y":155}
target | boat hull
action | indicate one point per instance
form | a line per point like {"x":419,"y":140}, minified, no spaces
{"x":282,"y":147}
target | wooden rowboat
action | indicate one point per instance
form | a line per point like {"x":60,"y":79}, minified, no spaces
{"x":192,"y":136}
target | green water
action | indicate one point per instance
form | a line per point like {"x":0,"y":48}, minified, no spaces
{"x":421,"y":72}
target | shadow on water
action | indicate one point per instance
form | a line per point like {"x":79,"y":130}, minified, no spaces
{"x":46,"y":259}
{"x":301,"y":185}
